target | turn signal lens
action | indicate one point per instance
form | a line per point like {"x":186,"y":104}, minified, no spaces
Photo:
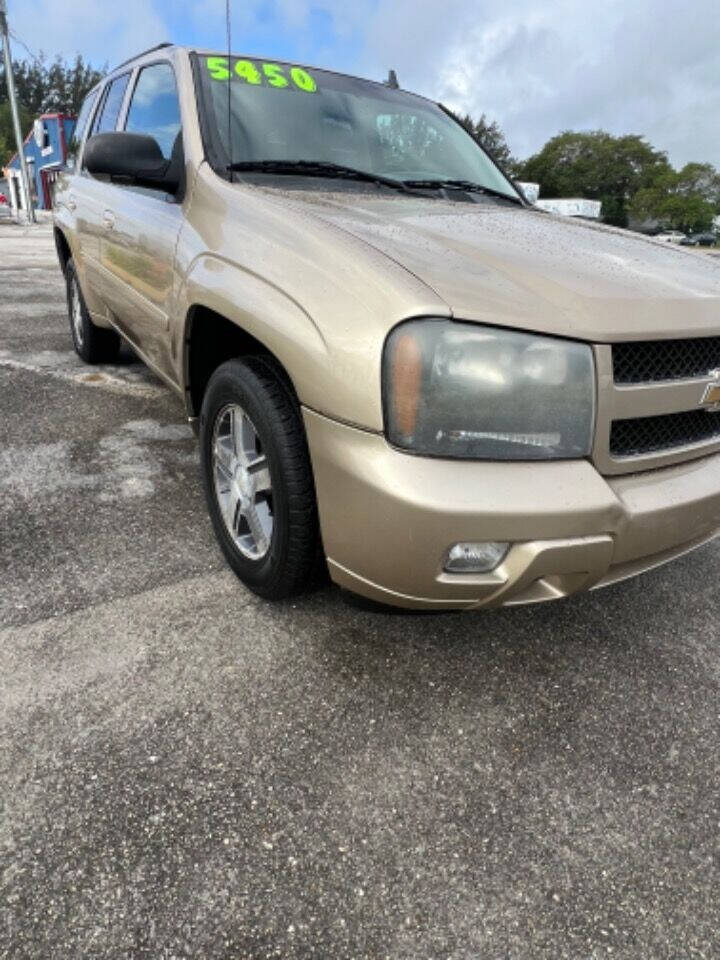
{"x":406,"y":372}
{"x":475,"y":557}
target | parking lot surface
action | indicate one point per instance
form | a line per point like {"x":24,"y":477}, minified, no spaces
{"x":187,"y":771}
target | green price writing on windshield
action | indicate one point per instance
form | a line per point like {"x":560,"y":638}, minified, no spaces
{"x":271,"y":74}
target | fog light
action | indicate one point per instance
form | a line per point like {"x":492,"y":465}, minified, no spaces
{"x":475,"y":557}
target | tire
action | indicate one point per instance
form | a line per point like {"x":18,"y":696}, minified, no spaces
{"x":92,"y":344}
{"x":258,"y":479}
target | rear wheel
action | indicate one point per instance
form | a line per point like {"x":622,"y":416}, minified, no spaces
{"x":92,"y":344}
{"x":258,"y":479}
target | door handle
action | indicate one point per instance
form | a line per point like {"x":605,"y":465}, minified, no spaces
{"x":109,"y":219}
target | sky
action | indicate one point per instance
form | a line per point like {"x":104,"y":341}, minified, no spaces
{"x":650,"y":67}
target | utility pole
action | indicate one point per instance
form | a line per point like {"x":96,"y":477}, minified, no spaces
{"x":10,"y":80}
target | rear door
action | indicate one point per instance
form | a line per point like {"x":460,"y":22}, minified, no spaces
{"x":69,"y":205}
{"x":141,"y":226}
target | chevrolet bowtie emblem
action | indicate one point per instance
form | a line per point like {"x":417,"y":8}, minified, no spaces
{"x":711,"y":397}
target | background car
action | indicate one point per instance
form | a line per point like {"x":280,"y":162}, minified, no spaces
{"x":699,"y":240}
{"x":671,"y":236}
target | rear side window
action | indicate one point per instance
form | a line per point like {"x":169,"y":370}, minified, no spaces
{"x":154,"y":108}
{"x":107,"y":118}
{"x":79,"y":130}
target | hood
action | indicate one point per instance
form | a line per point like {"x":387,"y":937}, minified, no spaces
{"x":495,"y":263}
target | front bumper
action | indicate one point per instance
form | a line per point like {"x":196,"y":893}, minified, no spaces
{"x":388,"y":519}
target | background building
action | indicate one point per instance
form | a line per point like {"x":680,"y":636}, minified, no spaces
{"x":566,"y":207}
{"x":531,"y":190}
{"x":46,"y":152}
{"x":575,"y":207}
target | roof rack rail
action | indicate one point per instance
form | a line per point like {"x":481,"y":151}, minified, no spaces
{"x":158,"y":46}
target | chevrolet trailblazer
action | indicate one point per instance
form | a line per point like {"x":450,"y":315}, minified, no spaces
{"x":395,"y":365}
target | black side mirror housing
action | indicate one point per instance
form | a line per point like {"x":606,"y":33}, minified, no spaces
{"x":132,"y":158}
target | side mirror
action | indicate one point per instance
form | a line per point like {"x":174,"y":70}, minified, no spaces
{"x":132,"y":158}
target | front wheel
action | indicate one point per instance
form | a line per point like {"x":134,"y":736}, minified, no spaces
{"x":258,"y":479}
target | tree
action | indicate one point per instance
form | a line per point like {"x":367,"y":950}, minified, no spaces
{"x":490,"y":136}
{"x":42,"y":87}
{"x":67,"y":85}
{"x":704,"y":179}
{"x":596,"y":166}
{"x":7,"y":134}
{"x":686,"y":199}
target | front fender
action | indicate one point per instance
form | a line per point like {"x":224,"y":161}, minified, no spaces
{"x":267,"y":314}
{"x":321,"y":300}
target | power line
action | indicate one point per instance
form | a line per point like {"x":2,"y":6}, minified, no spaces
{"x":22,"y":43}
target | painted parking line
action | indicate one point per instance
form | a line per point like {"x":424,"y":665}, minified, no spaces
{"x":133,"y":380}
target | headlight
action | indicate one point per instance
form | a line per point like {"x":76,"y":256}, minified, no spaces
{"x":463,"y":390}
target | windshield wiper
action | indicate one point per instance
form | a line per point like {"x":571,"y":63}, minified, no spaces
{"x":325,"y":168}
{"x":317,"y":168}
{"x":467,"y":185}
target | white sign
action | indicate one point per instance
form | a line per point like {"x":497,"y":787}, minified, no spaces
{"x":572,"y":208}
{"x":531,"y":191}
{"x":39,"y":133}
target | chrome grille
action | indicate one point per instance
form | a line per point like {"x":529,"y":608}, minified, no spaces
{"x":632,"y":438}
{"x":657,"y":361}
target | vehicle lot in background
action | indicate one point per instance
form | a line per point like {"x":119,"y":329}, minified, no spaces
{"x":699,"y":240}
{"x":188,"y":771}
{"x":671,"y":236}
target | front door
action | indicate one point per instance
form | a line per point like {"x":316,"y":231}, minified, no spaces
{"x":141,"y":226}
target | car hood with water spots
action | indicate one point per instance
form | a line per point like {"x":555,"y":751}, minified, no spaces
{"x":496,"y":263}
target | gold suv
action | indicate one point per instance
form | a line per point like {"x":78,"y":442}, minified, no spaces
{"x":394,"y":363}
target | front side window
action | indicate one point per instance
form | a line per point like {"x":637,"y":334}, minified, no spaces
{"x":79,"y":129}
{"x":107,"y":118}
{"x":258,"y":111}
{"x":154,"y":108}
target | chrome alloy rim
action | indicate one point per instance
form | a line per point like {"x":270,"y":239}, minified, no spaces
{"x":242,"y":482}
{"x":76,"y":312}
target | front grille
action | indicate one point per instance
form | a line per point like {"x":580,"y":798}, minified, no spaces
{"x":632,"y":438}
{"x":655,"y":361}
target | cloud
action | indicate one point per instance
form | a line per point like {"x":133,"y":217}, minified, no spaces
{"x":625,"y":65}
{"x":536,"y":66}
{"x":103,"y":32}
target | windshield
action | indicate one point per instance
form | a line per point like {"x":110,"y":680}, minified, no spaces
{"x":282,"y":112}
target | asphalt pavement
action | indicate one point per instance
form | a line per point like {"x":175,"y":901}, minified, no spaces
{"x":187,"y":771}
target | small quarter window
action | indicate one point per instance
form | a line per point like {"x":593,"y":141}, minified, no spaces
{"x":154,"y":108}
{"x":107,"y":118}
{"x":79,"y":129}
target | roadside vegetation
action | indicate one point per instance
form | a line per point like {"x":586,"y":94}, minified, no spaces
{"x":43,"y":86}
{"x":635,"y":182}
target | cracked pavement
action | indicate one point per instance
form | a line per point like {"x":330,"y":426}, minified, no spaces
{"x":187,"y":771}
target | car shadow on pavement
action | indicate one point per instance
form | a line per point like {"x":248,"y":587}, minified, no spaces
{"x":658,"y":628}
